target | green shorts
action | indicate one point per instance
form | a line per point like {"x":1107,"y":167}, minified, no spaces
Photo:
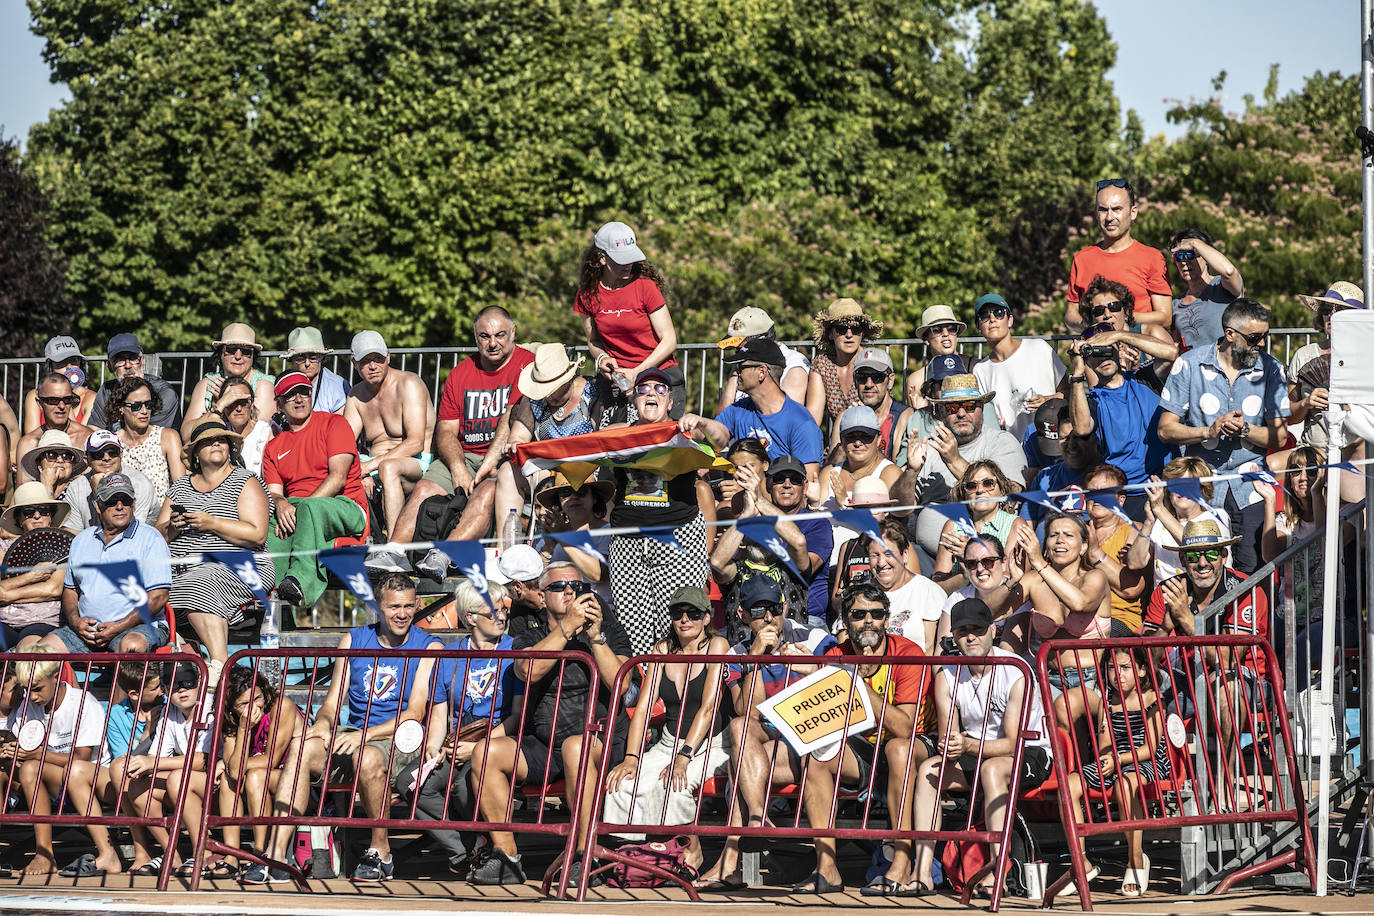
{"x":425,"y":458}
{"x":439,"y":473}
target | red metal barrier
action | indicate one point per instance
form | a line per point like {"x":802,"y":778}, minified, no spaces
{"x":719,"y":784}
{"x":319,"y":666}
{"x":1217,"y":744}
{"x":60,"y":777}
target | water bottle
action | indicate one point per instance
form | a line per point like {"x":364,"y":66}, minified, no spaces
{"x":270,"y":638}
{"x":623,"y":382}
{"x":510,"y":531}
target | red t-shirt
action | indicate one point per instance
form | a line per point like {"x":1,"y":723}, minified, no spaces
{"x":1139,"y":268}
{"x":1248,"y":616}
{"x":900,"y":683}
{"x":621,"y":317}
{"x":299,"y":460}
{"x":476,"y":398}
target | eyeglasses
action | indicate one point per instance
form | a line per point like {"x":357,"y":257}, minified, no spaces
{"x":119,"y":499}
{"x":108,"y":453}
{"x":138,"y":406}
{"x":983,"y":563}
{"x":984,"y":485}
{"x":682,"y":610}
{"x":943,"y":329}
{"x":55,"y":455}
{"x":306,"y":358}
{"x":869,"y":378}
{"x":36,"y":512}
{"x":651,"y":388}
{"x":787,"y":477}
{"x":993,"y":311}
{"x":859,"y":613}
{"x":953,"y":407}
{"x":70,"y":400}
{"x":760,"y":611}
{"x":1251,"y":340}
{"x":1192,"y":556}
{"x":1099,"y":311}
{"x":1114,"y":183}
{"x":577,"y":586}
{"x":239,"y":351}
{"x":1182,"y":256}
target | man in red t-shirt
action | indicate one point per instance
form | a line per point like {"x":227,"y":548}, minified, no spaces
{"x":1119,"y":257}
{"x":476,"y":396}
{"x":901,"y":699}
{"x":311,"y":470}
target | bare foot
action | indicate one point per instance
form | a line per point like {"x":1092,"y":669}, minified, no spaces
{"x":110,"y":863}
{"x":41,"y":864}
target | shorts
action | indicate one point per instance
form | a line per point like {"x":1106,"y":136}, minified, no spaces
{"x":1035,"y":767}
{"x":437,"y":471}
{"x":1070,"y":678}
{"x":543,"y":768}
{"x":425,"y":458}
{"x":867,"y":754}
{"x":75,"y":644}
{"x":342,"y":767}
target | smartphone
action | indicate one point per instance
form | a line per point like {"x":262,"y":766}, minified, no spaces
{"x":178,"y":507}
{"x":8,"y":737}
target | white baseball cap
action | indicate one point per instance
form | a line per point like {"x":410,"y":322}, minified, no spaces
{"x":521,"y":562}
{"x":365,"y":343}
{"x":618,"y":241}
{"x":747,"y":322}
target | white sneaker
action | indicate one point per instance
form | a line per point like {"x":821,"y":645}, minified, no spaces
{"x":434,"y":563}
{"x":387,"y":561}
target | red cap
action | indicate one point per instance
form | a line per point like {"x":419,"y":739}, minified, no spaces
{"x":289,"y":381}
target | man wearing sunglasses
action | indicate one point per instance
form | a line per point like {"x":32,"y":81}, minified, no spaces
{"x":1227,"y":403}
{"x":750,"y":323}
{"x":105,"y":455}
{"x":56,"y":401}
{"x":1211,"y":283}
{"x":126,"y":360}
{"x":1119,"y":257}
{"x":1022,"y":374}
{"x":100,"y":614}
{"x":873,"y":379}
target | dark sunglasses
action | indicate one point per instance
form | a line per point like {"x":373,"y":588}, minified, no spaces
{"x":1185,"y":255}
{"x":992,"y":311}
{"x":1192,"y":556}
{"x":943,"y":329}
{"x":1116,"y":305}
{"x":186,"y":683}
{"x":306,"y":358}
{"x":851,"y":326}
{"x":986,"y":563}
{"x":858,"y":436}
{"x":682,"y":610}
{"x":36,"y":512}
{"x":70,"y":400}
{"x":578,"y":586}
{"x":239,"y":404}
{"x":953,"y":407}
{"x":1252,"y":340}
{"x":760,"y":611}
{"x":1114,"y":183}
{"x":743,"y":366}
{"x":859,"y":613}
{"x":108,"y":453}
{"x":240,"y":351}
{"x":136,"y":406}
{"x":119,"y":499}
{"x":869,"y":378}
{"x":55,"y":455}
{"x":794,"y":479}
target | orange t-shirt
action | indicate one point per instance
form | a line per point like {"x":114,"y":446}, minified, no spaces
{"x":900,"y":684}
{"x":1139,"y":268}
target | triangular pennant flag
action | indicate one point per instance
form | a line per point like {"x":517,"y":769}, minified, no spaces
{"x":347,"y":564}
{"x":242,"y":564}
{"x":1107,"y":499}
{"x":1039,"y":498}
{"x":471,"y":560}
{"x":128,"y":578}
{"x":1263,"y":475}
{"x":1073,"y":500}
{"x":762,"y":530}
{"x":1346,"y":466}
{"x":860,"y":520}
{"x":1191,"y":488}
{"x":583,"y":541}
{"x":665,"y":536}
{"x":958,"y":514}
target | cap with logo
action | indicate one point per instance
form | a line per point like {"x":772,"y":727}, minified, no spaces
{"x":123,"y":342}
{"x":61,"y":348}
{"x":112,"y":485}
{"x":873,"y":358}
{"x":290,"y":382}
{"x":1047,"y":427}
{"x":366,"y":343}
{"x":758,"y":350}
{"x":942,"y":367}
{"x":747,"y":322}
{"x":102,"y":439}
{"x":618,"y":241}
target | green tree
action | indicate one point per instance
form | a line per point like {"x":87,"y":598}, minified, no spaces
{"x":34,"y":304}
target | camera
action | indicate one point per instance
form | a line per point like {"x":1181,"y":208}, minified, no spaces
{"x":580,"y":587}
{"x":949,"y":647}
{"x":1103,"y":352}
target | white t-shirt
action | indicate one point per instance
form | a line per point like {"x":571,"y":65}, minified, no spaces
{"x":1167,"y":561}
{"x":174,"y":733}
{"x":981,"y":714}
{"x":913,"y":605}
{"x":1034,"y":369}
{"x":253,"y":446}
{"x":65,"y":731}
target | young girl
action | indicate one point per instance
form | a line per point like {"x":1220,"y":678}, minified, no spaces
{"x":258,"y":727}
{"x":1130,"y":752}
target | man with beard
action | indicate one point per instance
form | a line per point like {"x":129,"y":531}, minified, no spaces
{"x":873,"y":379}
{"x":1227,"y":404}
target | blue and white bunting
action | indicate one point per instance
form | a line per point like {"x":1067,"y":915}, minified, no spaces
{"x":763,"y":530}
{"x":242,"y":564}
{"x":347,"y":564}
{"x":860,"y":520}
{"x":583,"y":541}
{"x":1107,"y":499}
{"x":958,"y":514}
{"x":128,"y":578}
{"x":1039,"y":498}
{"x":1190,"y":488}
{"x":471,"y":560}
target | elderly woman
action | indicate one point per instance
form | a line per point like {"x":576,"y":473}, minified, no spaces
{"x":218,"y":506}
{"x":235,"y":354}
{"x":31,"y":593}
{"x":646,"y":572}
{"x":61,"y":355}
{"x":236,"y":405}
{"x":151,"y":449}
{"x":841,"y":332}
{"x":624,"y":314}
{"x":54,"y":462}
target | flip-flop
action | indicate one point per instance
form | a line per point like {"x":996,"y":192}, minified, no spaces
{"x":881,"y":886}
{"x":222,"y":868}
{"x":913,"y":888}
{"x":982,"y":892}
{"x":83,"y":867}
{"x":817,"y":885}
{"x":149,"y":869}
{"x":186,"y":869}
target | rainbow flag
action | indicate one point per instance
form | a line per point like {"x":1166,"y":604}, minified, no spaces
{"x":659,"y":448}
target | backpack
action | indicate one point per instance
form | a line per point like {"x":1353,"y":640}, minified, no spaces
{"x":316,"y":852}
{"x":961,"y":859}
{"x":438,"y":515}
{"x":669,"y":855}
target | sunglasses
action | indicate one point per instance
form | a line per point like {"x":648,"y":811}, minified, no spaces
{"x":760,"y":611}
{"x":306,"y":358}
{"x":859,"y":613}
{"x":55,"y":455}
{"x":240,"y":351}
{"x":848,"y":327}
{"x":119,"y":499}
{"x":239,"y":404}
{"x":681,"y":611}
{"x":578,"y":586}
{"x":138,"y":406}
{"x":953,"y":407}
{"x":217,"y":440}
{"x":1185,"y":256}
{"x":1098,"y":311}
{"x":787,"y":477}
{"x":944,"y":329}
{"x":1252,"y":340}
{"x":652,"y":388}
{"x":857,"y":436}
{"x":36,"y":512}
{"x":993,"y":311}
{"x":70,"y":400}
{"x":186,"y":683}
{"x":870,"y":378}
{"x":742,"y":367}
{"x":298,"y":392}
{"x":109,"y":453}
{"x":985,"y":485}
{"x":983,"y":563}
{"x":1192,"y":556}
{"x":1113,"y":183}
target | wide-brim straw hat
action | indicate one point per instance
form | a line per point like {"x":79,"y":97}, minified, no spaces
{"x":238,"y":334}
{"x":963,"y":388}
{"x":1341,"y":295}
{"x":552,"y":496}
{"x":33,"y":493}
{"x":551,"y":370}
{"x":938,"y":314}
{"x":868,"y":493}
{"x":53,"y":440}
{"x":209,"y":427}
{"x":1202,"y":534}
{"x":840,"y":310}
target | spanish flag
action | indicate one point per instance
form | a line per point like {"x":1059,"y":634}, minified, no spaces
{"x":659,"y":448}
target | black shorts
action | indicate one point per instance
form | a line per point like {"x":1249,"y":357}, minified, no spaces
{"x":1035,"y":767}
{"x":543,"y":768}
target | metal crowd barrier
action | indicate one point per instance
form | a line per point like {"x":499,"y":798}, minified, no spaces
{"x":311,"y":688}
{"x":863,"y":796}
{"x":72,"y":777}
{"x":1213,"y":714}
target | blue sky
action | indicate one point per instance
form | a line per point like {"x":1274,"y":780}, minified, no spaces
{"x":1166,"y":51}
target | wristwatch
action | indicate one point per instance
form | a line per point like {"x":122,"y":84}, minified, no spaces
{"x":1074,"y":379}
{"x":686,"y":751}
{"x":598,"y":640}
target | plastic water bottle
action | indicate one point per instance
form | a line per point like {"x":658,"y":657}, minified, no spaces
{"x":510,"y":531}
{"x":623,"y":382}
{"x":270,"y":638}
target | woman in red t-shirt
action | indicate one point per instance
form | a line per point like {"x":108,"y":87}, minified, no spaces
{"x":624,"y":315}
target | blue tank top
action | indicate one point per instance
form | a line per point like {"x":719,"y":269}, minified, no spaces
{"x":384,"y":681}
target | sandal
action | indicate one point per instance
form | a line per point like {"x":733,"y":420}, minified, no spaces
{"x":222,"y":868}
{"x":981,"y":892}
{"x":1140,"y":877}
{"x":914,"y":888}
{"x":186,"y":869}
{"x":150,"y":869}
{"x":815,"y":883}
{"x":881,"y":886}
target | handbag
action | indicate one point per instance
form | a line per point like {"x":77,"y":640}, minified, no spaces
{"x":669,"y":855}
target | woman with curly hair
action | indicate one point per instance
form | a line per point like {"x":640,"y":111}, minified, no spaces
{"x":624,"y":314}
{"x":841,"y":331}
{"x":154,"y":450}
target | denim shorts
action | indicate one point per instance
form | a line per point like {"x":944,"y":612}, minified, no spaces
{"x":1070,"y":677}
{"x":75,"y":644}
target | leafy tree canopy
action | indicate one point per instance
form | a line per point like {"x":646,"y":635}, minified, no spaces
{"x":33,"y":303}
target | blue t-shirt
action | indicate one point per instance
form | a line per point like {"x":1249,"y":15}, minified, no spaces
{"x":1128,"y":429}
{"x":330,"y":392}
{"x":489,"y":682}
{"x":790,"y":431}
{"x":104,"y":599}
{"x":385,"y":682}
{"x":122,"y":729}
{"x":776,"y":677}
{"x":820,"y":540}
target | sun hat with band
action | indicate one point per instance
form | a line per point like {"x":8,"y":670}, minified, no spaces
{"x":53,"y":440}
{"x":551,"y":370}
{"x":869,"y":492}
{"x":963,"y":388}
{"x":937,"y":315}
{"x":550,"y":496}
{"x":209,"y":427}
{"x":290,"y":382}
{"x":1339,"y":295}
{"x":1204,"y":534}
{"x":843,"y":310}
{"x":305,"y":340}
{"x":26,"y":495}
{"x":238,"y":334}
{"x":747,"y":322}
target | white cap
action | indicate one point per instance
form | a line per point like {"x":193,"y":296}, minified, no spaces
{"x":365,"y":343}
{"x":618,"y":241}
{"x":873,"y":358}
{"x":521,"y":561}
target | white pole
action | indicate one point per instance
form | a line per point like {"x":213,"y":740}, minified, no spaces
{"x":1320,"y":723}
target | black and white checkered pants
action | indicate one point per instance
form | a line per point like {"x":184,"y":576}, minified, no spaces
{"x":645,"y":573}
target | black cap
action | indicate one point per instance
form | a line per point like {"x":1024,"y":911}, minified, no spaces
{"x":784,"y":464}
{"x":971,"y":612}
{"x":758,"y":350}
{"x":1047,"y":427}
